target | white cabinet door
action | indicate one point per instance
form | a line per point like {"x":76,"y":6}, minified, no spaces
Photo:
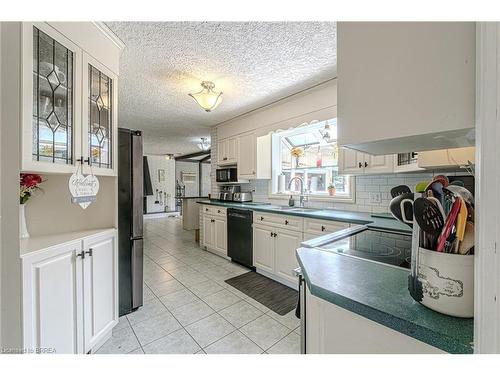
{"x":220,"y":230}
{"x":232,"y":150}
{"x":246,"y":156}
{"x":53,"y":300}
{"x":350,"y":162}
{"x":208,"y":231}
{"x":51,"y":100}
{"x":286,"y":242}
{"x":263,"y":247}
{"x":100,"y":288}
{"x":379,"y":164}
{"x":99,"y":118}
{"x":221,"y":152}
{"x":448,"y":158}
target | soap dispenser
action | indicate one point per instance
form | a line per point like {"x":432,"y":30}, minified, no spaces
{"x":291,"y":202}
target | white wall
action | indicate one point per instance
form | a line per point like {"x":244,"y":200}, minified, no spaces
{"x":317,"y":103}
{"x":158,"y":162}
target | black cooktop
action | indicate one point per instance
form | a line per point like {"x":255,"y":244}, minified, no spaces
{"x":377,"y":245}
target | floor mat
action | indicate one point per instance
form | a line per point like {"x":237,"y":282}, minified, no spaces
{"x":275,"y":296}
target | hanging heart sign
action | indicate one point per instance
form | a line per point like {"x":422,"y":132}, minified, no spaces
{"x":83,"y":189}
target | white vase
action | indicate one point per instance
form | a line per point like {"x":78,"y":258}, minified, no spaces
{"x":23,"y":228}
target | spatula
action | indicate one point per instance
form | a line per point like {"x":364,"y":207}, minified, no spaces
{"x":448,"y":225}
{"x":399,"y":190}
{"x":429,"y":217}
{"x":467,"y":244}
{"x":399,"y":207}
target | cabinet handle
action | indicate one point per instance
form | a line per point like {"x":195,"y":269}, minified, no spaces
{"x":90,"y":252}
{"x":271,"y":234}
{"x":286,"y":222}
{"x":360,"y":165}
{"x":366,"y":164}
{"x":275,"y":234}
{"x":218,"y":211}
{"x":224,"y":158}
{"x":206,"y":209}
{"x":323,"y":228}
{"x":82,"y":160}
{"x":81,"y":254}
{"x":261,"y":218}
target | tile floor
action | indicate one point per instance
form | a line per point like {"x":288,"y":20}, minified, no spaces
{"x":188,"y":308}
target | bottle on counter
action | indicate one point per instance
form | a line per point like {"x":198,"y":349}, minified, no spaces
{"x":291,"y":202}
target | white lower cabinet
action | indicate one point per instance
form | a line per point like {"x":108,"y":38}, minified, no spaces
{"x":263,"y":247}
{"x":331,"y":329}
{"x":286,"y":243}
{"x":100,"y":273}
{"x":274,"y":251}
{"x":70,"y":295}
{"x":215,"y":233}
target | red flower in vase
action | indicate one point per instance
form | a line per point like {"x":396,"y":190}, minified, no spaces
{"x":28,"y":183}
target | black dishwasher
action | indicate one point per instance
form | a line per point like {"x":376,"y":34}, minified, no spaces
{"x":239,"y":236}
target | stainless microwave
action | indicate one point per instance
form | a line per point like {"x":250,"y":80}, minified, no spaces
{"x":226,"y":175}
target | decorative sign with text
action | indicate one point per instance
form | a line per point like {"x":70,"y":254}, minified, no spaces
{"x":83,"y":189}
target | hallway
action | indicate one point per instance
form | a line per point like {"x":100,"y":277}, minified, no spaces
{"x":188,"y":308}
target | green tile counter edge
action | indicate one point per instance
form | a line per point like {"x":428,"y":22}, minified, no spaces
{"x":321,"y":214}
{"x":384,"y":298}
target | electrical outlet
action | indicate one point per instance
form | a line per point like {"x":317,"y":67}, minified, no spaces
{"x":375,"y":198}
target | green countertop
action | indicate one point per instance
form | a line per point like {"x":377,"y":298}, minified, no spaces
{"x":323,"y":214}
{"x":380,"y":293}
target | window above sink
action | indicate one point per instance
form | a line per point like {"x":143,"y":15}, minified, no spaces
{"x":309,"y":152}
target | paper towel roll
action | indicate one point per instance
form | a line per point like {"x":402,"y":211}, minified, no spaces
{"x":281,"y":183}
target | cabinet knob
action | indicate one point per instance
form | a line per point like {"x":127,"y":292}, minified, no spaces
{"x":286,"y":222}
{"x":323,"y":228}
{"x":366,"y":164}
{"x":218,"y":211}
{"x":261,"y":218}
{"x":360,"y":165}
{"x":206,"y":209}
{"x":275,"y":234}
{"x":271,"y":234}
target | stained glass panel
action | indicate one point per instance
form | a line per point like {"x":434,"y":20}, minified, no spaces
{"x":100,"y":118}
{"x":52,"y":100}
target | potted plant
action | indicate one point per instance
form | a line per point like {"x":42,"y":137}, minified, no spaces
{"x":331,"y":189}
{"x":28,"y":184}
{"x":297,"y":152}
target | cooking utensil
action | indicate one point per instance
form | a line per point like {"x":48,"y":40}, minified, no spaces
{"x":461,"y":220}
{"x":457,"y":183}
{"x":438,"y":204}
{"x":435,"y":189}
{"x":420,"y":187}
{"x":462,"y":192}
{"x":467,"y":244}
{"x":442,"y":179}
{"x":448,"y":225}
{"x":403,"y":203}
{"x":399,"y":190}
{"x":429,"y":218}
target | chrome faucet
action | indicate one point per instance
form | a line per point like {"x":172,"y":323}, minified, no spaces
{"x":302,"y":198}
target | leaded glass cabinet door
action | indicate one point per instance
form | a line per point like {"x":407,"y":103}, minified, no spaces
{"x":99,"y":122}
{"x":51,"y":83}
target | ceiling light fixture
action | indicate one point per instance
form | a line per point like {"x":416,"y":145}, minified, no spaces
{"x":207,"y":98}
{"x":204,"y":144}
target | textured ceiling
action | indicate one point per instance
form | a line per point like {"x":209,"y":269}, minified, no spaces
{"x":253,"y":63}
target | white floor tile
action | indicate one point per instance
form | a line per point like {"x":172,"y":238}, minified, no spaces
{"x":288,"y":345}
{"x":178,"y":299}
{"x":265,"y":331}
{"x":192,"y":312}
{"x":240,"y":313}
{"x":121,"y":342}
{"x":221,"y":300}
{"x":155,"y":328}
{"x":234,"y":343}
{"x":210,"y":329}
{"x":178,"y":342}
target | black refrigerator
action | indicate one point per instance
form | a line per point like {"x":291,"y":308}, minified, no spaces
{"x":130,"y":220}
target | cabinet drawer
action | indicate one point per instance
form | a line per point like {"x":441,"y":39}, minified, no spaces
{"x":220,"y":211}
{"x":214,"y":210}
{"x":282,"y":221}
{"x":315,"y":226}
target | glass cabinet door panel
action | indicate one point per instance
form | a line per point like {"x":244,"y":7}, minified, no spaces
{"x":52,"y":100}
{"x":100,"y":118}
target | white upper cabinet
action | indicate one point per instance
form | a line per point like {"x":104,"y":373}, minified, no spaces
{"x":68,"y":113}
{"x":405,"y":86}
{"x":246,"y":156}
{"x":227,"y":150}
{"x":449,"y":158}
{"x":353,"y":162}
